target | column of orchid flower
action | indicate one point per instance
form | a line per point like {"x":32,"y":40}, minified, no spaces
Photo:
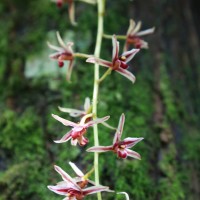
{"x":76,"y":188}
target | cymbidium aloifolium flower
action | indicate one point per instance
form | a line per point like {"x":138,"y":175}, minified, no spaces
{"x":133,"y":35}
{"x":75,"y":188}
{"x":118,"y":63}
{"x":71,"y":7}
{"x":76,"y":134}
{"x":64,"y":53}
{"x":120,"y":147}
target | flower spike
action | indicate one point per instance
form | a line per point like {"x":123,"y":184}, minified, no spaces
{"x":133,"y":35}
{"x":120,"y":147}
{"x":119,"y":63}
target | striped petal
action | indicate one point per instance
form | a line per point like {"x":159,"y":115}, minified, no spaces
{"x":126,"y":73}
{"x":66,"y":177}
{"x":119,"y":129}
{"x":99,"y":61}
{"x":65,"y":138}
{"x":100,"y":149}
{"x":130,"y":142}
{"x":94,"y":189}
{"x":64,"y":121}
{"x":130,"y":54}
{"x":96,"y":121}
{"x":59,"y":189}
{"x":115,"y":44}
{"x":133,"y":154}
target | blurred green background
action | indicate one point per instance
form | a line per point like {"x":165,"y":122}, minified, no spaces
{"x":163,"y":106}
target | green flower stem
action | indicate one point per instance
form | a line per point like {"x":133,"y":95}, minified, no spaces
{"x":101,"y":6}
{"x":108,"y":72}
{"x":81,"y":55}
{"x":120,"y":37}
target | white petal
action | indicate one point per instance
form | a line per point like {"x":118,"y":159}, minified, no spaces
{"x":62,"y":44}
{"x":118,"y":134}
{"x":76,"y":169}
{"x":72,"y":112}
{"x":121,"y":123}
{"x":146,"y":32}
{"x":71,"y":9}
{"x":137,"y":28}
{"x":87,"y":104}
{"x":54,"y":47}
{"x":131,"y":26}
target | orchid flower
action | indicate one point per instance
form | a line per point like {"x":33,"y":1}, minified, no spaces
{"x":119,"y":63}
{"x":120,"y":147}
{"x":71,"y":7}
{"x":64,"y":52}
{"x":133,"y":35}
{"x":78,"y":130}
{"x":71,"y":189}
{"x":78,"y":113}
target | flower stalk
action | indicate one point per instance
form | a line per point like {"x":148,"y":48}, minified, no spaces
{"x":101,"y":7}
